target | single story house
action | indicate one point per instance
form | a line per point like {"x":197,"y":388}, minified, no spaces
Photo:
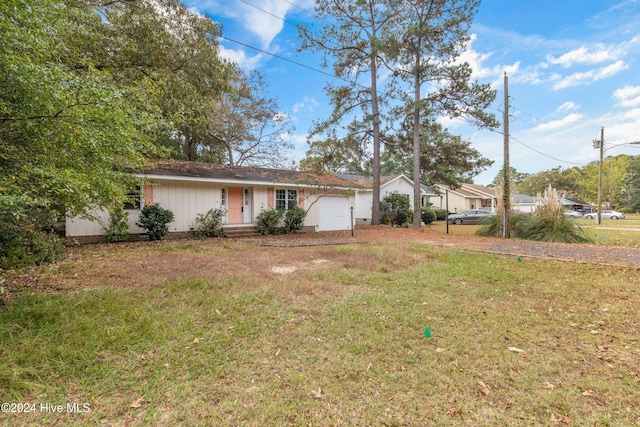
{"x":575,"y":204}
{"x":191,"y":188}
{"x":467,"y":196}
{"x":524,"y":203}
{"x":390,"y":184}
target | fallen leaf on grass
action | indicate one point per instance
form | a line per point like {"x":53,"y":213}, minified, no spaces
{"x":484,"y":389}
{"x":548,"y":385}
{"x":516,"y":349}
{"x":588,"y":393}
{"x":317,"y":393}
{"x":137,"y":403}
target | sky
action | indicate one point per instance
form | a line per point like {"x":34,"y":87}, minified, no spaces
{"x":572,"y":65}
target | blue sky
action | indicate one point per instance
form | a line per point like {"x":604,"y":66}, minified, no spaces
{"x":573,"y":67}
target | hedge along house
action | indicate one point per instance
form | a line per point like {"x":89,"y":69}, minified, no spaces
{"x":191,"y":188}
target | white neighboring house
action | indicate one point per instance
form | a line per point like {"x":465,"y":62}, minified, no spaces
{"x":388,"y":185}
{"x":467,"y":196}
{"x":191,"y":188}
{"x":523,"y":203}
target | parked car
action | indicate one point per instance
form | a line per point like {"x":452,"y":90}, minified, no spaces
{"x":573,"y":214}
{"x":472,"y":216}
{"x":606,"y":215}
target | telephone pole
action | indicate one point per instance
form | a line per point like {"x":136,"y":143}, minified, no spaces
{"x":601,"y":144}
{"x":506,"y":192}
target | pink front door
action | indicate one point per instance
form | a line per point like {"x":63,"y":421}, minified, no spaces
{"x":235,"y":215}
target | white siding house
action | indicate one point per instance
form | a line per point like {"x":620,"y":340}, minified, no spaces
{"x":388,"y":185}
{"x":191,"y":188}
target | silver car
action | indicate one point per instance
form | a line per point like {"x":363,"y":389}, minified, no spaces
{"x":606,"y":214}
{"x":572,"y":214}
{"x":472,"y":216}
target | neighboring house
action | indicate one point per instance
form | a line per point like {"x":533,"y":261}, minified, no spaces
{"x":192,"y":188}
{"x":576,"y":204}
{"x":524,"y":203}
{"x":388,"y":185}
{"x":467,"y":196}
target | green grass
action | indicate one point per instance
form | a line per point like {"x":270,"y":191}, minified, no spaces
{"x":341,"y":346}
{"x":624,"y":232}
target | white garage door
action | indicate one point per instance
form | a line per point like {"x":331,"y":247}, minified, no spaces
{"x":334,"y":213}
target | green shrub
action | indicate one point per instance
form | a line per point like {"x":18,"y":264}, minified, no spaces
{"x":28,"y":238}
{"x":270,"y":222}
{"x":441,"y":214}
{"x":395,"y":209}
{"x":548,"y":223}
{"x":209,"y":224}
{"x":428,"y":216}
{"x":552,"y":229}
{"x":27,"y":247}
{"x":154,"y":219}
{"x":118,"y":229}
{"x":294,"y":219}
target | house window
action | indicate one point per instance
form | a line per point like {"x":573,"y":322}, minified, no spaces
{"x":133,"y":201}
{"x":286,"y":199}
{"x":223,"y":198}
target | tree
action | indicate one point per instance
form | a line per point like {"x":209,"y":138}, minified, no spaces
{"x":429,"y":39}
{"x":613,"y":180}
{"x":444,"y":158}
{"x":565,"y":180}
{"x":516,"y":179}
{"x":69,"y":137}
{"x":245,"y":126}
{"x":353,"y":38}
{"x":335,"y":156}
{"x":632,"y":184}
{"x":171,"y":55}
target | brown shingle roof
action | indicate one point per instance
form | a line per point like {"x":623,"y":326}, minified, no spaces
{"x":179,"y":168}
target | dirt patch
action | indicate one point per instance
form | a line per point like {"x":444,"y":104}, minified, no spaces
{"x":271,"y":258}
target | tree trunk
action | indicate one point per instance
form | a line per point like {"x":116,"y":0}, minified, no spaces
{"x":417,"y":212}
{"x":375,"y":208}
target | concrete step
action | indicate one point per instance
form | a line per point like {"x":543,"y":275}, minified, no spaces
{"x":241,"y":232}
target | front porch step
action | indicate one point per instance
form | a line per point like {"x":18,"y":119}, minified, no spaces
{"x":241,"y":232}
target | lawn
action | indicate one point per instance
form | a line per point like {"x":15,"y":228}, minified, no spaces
{"x":325,"y":336}
{"x":622,"y":232}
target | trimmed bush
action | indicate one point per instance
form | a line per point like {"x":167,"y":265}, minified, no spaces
{"x":118,"y":229}
{"x":269,"y":222}
{"x":154,"y":219}
{"x":294,"y":219}
{"x":209,"y":224}
{"x":441,"y":214}
{"x":428,"y":216}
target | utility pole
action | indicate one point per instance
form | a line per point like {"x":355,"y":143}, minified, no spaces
{"x":506,"y":192}
{"x":599,"y":216}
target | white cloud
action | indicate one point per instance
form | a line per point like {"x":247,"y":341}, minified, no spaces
{"x":584,"y":55}
{"x":307,"y":104}
{"x":628,"y":96}
{"x":568,"y":106}
{"x":577,"y":79}
{"x":263,"y":20}
{"x":240,"y":57}
{"x":558,"y":124}
{"x":476,"y":60}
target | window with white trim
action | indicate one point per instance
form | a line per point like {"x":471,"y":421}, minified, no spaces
{"x":286,"y":199}
{"x":134,"y":200}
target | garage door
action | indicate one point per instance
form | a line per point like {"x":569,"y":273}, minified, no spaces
{"x":334,"y":213}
